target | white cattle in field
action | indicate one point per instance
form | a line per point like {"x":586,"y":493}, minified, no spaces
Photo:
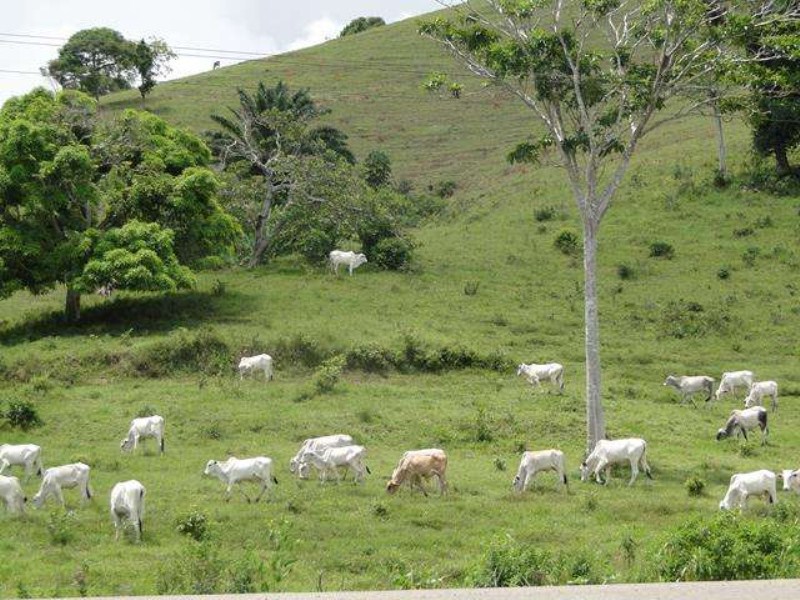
{"x":127,"y":503}
{"x":144,"y":427}
{"x":742,"y":421}
{"x":611,"y":452}
{"x":554,"y":372}
{"x":416,"y":465}
{"x":260,"y":362}
{"x":28,"y":456}
{"x":733,"y":379}
{"x":296,"y":464}
{"x":65,"y":476}
{"x":743,"y":485}
{"x":330,"y":460}
{"x":351,"y":259}
{"x":535,"y":462}
{"x":12,"y":494}
{"x":687,"y":385}
{"x":758,"y":390}
{"x":235,"y":470}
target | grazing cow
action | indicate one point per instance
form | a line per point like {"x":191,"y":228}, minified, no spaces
{"x":743,"y":485}
{"x":611,"y":452}
{"x":536,"y":373}
{"x":24,"y":455}
{"x":216,"y":65}
{"x":65,"y":476}
{"x":260,"y":362}
{"x":733,"y":379}
{"x":687,"y":385}
{"x":297,"y":466}
{"x":758,"y":390}
{"x":234,"y":470}
{"x":127,"y":503}
{"x":12,"y":494}
{"x":144,"y":427}
{"x":351,"y":259}
{"x":417,"y":465}
{"x":330,"y":460}
{"x":534,"y":462}
{"x":742,"y":421}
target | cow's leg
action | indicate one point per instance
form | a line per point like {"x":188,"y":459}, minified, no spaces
{"x":261,"y":493}
{"x":60,"y":496}
{"x":528,"y":480}
{"x":634,"y":471}
{"x":418,"y":481}
{"x":117,"y":525}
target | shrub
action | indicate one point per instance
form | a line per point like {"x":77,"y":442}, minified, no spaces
{"x":625,"y":272}
{"x":499,"y":464}
{"x":729,"y":546}
{"x":299,"y":349}
{"x":377,"y":168}
{"x":218,"y":288}
{"x":545,"y":213}
{"x":682,"y":319}
{"x":749,"y":256}
{"x":328,"y":374}
{"x":392,"y":253}
{"x":661,"y":249}
{"x":508,"y":563}
{"x":197,"y":569}
{"x":201,"y":352}
{"x":370,"y":357}
{"x":723,"y":273}
{"x":146,"y":411}
{"x":60,"y":527}
{"x":22,"y":414}
{"x":41,"y":383}
{"x":444,"y":189}
{"x":482,"y":427}
{"x":743,"y":232}
{"x":567,"y":242}
{"x":194,"y":524}
{"x":695,"y":486}
{"x":361,"y":24}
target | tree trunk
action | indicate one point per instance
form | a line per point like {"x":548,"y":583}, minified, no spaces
{"x":595,"y":420}
{"x":782,"y":158}
{"x":262,"y":237}
{"x":72,"y":307}
{"x":721,"y":150}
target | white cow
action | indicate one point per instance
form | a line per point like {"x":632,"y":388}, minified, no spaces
{"x":65,"y":476}
{"x":330,"y":460}
{"x":12,"y":494}
{"x":144,"y":427}
{"x":24,"y":455}
{"x":688,"y":385}
{"x":260,"y":362}
{"x":296,"y":464}
{"x":127,"y":503}
{"x":742,"y":421}
{"x":234,"y":470}
{"x":534,"y":373}
{"x":416,"y":465}
{"x":611,"y":452}
{"x":351,"y":259}
{"x":758,"y":390}
{"x":743,"y":485}
{"x":733,"y":379}
{"x":535,"y":462}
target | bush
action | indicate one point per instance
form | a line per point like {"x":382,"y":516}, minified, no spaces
{"x":508,"y":563}
{"x":370,"y":357}
{"x":377,"y":169}
{"x":444,"y":189}
{"x":662,"y":250}
{"x":682,"y":319}
{"x":625,"y":272}
{"x":22,"y":414}
{"x":695,"y":486}
{"x":60,"y":527}
{"x":743,"y":232}
{"x":392,"y":253}
{"x":471,"y":288}
{"x":299,"y":349}
{"x":194,"y":525}
{"x":729,"y":546}
{"x":546,"y":213}
{"x":723,"y":273}
{"x":328,"y":374}
{"x":184,"y":352}
{"x":361,"y":24}
{"x":749,"y":256}
{"x":567,"y":242}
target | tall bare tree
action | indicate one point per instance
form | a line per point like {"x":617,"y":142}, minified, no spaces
{"x":599,"y":75}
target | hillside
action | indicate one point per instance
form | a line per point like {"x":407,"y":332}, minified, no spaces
{"x":727,"y":300}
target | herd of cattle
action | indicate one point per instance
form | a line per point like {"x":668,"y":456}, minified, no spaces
{"x":333,"y":455}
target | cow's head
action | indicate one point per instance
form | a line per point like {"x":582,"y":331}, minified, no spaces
{"x":517,"y":483}
{"x":209,"y":466}
{"x":520,"y":369}
{"x":126,"y":445}
{"x":392,"y":486}
{"x":584,"y":471}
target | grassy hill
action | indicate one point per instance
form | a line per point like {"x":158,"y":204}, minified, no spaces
{"x":726,"y":300}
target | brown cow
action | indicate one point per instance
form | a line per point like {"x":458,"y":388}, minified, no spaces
{"x":417,"y":465}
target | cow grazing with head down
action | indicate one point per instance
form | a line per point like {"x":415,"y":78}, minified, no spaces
{"x":742,"y":421}
{"x":12,"y":495}
{"x":144,"y":427}
{"x":418,"y":465}
{"x":235,"y":470}
{"x":351,"y":259}
{"x":732,"y":380}
{"x":65,"y":476}
{"x":127,"y":504}
{"x":536,"y":462}
{"x":744,"y":485}
{"x":322,"y":443}
{"x":610,"y":452}
{"x":535,"y":374}
{"x":760,"y":389}
{"x":28,"y":456}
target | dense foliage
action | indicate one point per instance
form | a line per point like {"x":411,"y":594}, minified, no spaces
{"x":361,"y":24}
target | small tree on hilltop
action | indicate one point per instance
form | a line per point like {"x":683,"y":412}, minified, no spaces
{"x":361,"y":24}
{"x":151,"y":60}
{"x":598,"y":76}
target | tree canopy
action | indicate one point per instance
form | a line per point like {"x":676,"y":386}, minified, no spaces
{"x":361,"y":24}
{"x":87,"y":202}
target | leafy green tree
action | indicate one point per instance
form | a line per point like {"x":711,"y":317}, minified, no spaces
{"x":96,"y":61}
{"x":272,"y":131}
{"x":597,"y":76}
{"x":377,"y":169}
{"x":361,"y":24}
{"x":88,"y":202}
{"x":151,"y":60}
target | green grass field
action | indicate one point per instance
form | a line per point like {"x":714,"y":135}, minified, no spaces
{"x":671,"y":316}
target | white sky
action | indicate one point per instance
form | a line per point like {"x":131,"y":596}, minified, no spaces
{"x":261,"y":26}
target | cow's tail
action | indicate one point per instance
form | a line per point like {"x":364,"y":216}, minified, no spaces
{"x":162,"y":444}
{"x":762,"y":422}
{"x":88,"y":492}
{"x":274,"y":480}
